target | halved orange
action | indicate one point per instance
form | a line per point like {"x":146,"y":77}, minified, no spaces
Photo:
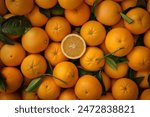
{"x":73,"y":46}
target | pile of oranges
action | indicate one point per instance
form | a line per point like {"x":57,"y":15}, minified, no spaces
{"x":77,"y":50}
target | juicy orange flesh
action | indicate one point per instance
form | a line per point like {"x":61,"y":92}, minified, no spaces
{"x":73,"y":46}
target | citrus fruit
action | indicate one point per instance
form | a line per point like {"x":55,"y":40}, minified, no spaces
{"x":125,"y":89}
{"x":73,"y":46}
{"x":19,"y":7}
{"x":145,"y":95}
{"x":12,"y":55}
{"x":93,"y":33}
{"x":54,"y":54}
{"x":74,"y":15}
{"x":13,"y":79}
{"x":139,"y":58}
{"x":29,"y":95}
{"x":120,"y":41}
{"x":57,"y":28}
{"x":37,"y":18}
{"x":34,"y":65}
{"x":108,"y":12}
{"x":3,"y":9}
{"x":89,"y":2}
{"x":88,"y":88}
{"x":46,"y":4}
{"x":119,"y":72}
{"x":141,"y":19}
{"x":70,"y":4}
{"x":65,"y":74}
{"x":35,"y":40}
{"x":48,"y":90}
{"x":68,"y":94}
{"x":93,"y":59}
{"x":106,"y":81}
{"x":125,"y":4}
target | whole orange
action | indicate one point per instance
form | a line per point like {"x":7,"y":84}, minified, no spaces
{"x":88,"y":88}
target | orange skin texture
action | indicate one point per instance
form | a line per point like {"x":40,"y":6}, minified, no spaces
{"x":66,"y":72}
{"x":35,"y":40}
{"x":74,"y":15}
{"x":88,"y":87}
{"x":19,"y":7}
{"x":10,"y":96}
{"x":48,"y":90}
{"x":145,"y":95}
{"x":147,"y":38}
{"x":108,"y":96}
{"x":125,"y":89}
{"x":93,"y":33}
{"x":138,"y":62}
{"x":57,"y":28}
{"x":13,"y":78}
{"x":141,"y":21}
{"x":128,"y":3}
{"x":107,"y":12}
{"x":46,"y":4}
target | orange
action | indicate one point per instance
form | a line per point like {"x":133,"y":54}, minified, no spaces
{"x":29,"y":96}
{"x":118,"y":0}
{"x":93,"y":59}
{"x":148,"y":6}
{"x":121,"y":71}
{"x":147,"y":39}
{"x":13,"y":79}
{"x":93,"y":33}
{"x":65,"y":74}
{"x":125,"y":4}
{"x":125,"y":89}
{"x":10,"y":96}
{"x":88,"y":88}
{"x":12,"y":55}
{"x":19,"y":7}
{"x":106,"y":81}
{"x":34,"y":65}
{"x":141,"y":19}
{"x":35,"y":40}
{"x":68,"y":94}
{"x":48,"y":90}
{"x":76,"y":17}
{"x":70,"y":4}
{"x":57,"y":28}
{"x":145,"y":74}
{"x":46,"y":4}
{"x":37,"y":18}
{"x":108,"y":12}
{"x":3,"y":9}
{"x":107,"y":96}
{"x":26,"y":81}
{"x":89,"y":2}
{"x":120,"y":40}
{"x":139,"y":58}
{"x":73,"y":46}
{"x":8,"y":15}
{"x":145,"y":95}
{"x":54,"y":54}
{"x":119,"y":24}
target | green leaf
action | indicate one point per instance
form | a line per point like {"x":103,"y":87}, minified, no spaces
{"x":57,"y":10}
{"x":149,"y":80}
{"x":84,"y":72}
{"x":111,"y":63}
{"x":1,"y":19}
{"x":46,"y":12}
{"x":131,"y":74}
{"x":16,"y":25}
{"x":2,"y":82}
{"x":100,"y":78}
{"x":126,"y":18}
{"x":5,"y":39}
{"x":34,"y":84}
{"x":96,"y":2}
{"x":118,"y":59}
{"x":138,"y":80}
{"x":49,"y":68}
